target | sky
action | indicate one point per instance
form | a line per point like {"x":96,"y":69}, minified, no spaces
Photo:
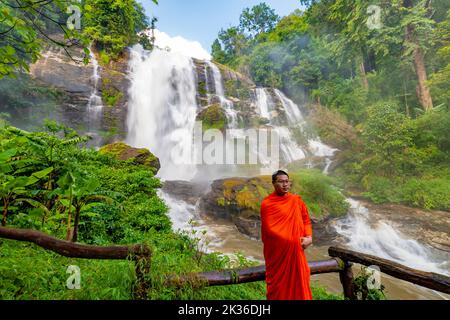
{"x":201,"y":20}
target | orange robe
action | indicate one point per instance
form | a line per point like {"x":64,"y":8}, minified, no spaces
{"x":284,"y":220}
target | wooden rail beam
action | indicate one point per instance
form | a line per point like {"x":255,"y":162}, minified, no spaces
{"x":429,"y":280}
{"x":227,"y":277}
{"x":74,"y":250}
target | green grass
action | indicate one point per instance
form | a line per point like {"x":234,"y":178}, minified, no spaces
{"x":31,"y":273}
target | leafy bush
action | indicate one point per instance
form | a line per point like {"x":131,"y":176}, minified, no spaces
{"x":318,"y":192}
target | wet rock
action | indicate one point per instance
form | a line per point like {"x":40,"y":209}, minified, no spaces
{"x":185,"y":190}
{"x":140,"y":156}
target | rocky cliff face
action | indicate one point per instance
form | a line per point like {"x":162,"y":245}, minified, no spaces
{"x":57,"y":70}
{"x":77,"y":84}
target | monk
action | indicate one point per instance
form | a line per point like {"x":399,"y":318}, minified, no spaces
{"x":286,"y":232}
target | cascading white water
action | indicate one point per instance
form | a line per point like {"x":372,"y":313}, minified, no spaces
{"x":289,"y":149}
{"x":162,"y":109}
{"x":328,"y":163}
{"x":319,"y":149}
{"x":226,"y":104}
{"x":95,"y":104}
{"x":207,"y":89}
{"x":94,"y":108}
{"x":382,"y":240}
{"x":293,"y":114}
{"x":262,"y":104}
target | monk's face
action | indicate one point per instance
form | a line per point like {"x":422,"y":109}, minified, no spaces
{"x":282,"y":185}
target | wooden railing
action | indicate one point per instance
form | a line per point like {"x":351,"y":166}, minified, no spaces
{"x":340,"y":262}
{"x":140,"y":254}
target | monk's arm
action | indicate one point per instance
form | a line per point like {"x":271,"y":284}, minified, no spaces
{"x":306,"y":221}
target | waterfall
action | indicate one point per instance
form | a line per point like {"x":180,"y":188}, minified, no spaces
{"x":162,"y":109}
{"x":262,"y":103}
{"x":95,"y":104}
{"x":207,"y":89}
{"x":289,"y":149}
{"x":328,"y":163}
{"x":226,"y":104}
{"x":293,"y":114}
{"x":94,"y":109}
{"x":379,"y":238}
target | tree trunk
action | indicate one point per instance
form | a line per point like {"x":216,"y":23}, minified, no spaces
{"x":422,"y":91}
{"x":75,"y":226}
{"x":74,"y":250}
{"x":5,"y":212}
{"x":69,"y":227}
{"x":362,"y":69}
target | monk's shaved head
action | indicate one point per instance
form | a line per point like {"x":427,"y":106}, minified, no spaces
{"x":279,"y":173}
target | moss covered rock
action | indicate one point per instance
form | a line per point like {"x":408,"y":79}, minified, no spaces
{"x":138,"y":156}
{"x":213,"y":117}
{"x":239,"y":200}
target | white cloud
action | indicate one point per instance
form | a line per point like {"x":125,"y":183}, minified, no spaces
{"x":180,"y":45}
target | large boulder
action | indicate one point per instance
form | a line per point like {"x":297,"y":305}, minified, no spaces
{"x":138,"y":156}
{"x":238,"y":200}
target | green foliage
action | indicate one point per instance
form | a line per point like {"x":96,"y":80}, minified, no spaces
{"x":113,"y":25}
{"x":217,"y":53}
{"x":361,"y":288}
{"x":318,"y":192}
{"x":111,"y":96}
{"x":387,"y":138}
{"x":26,"y":27}
{"x":31,"y":273}
{"x":427,"y":193}
{"x":404,"y":160}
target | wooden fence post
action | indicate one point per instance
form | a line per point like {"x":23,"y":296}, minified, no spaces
{"x":142,"y":259}
{"x":346,"y":278}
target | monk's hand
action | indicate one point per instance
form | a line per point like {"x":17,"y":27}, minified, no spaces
{"x":306,"y":242}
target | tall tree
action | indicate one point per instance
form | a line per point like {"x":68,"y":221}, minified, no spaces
{"x":416,"y":24}
{"x":440,"y":79}
{"x":113,"y":24}
{"x":234,"y":42}
{"x":217,"y":53}
{"x":258,"y":19}
{"x":404,"y":24}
